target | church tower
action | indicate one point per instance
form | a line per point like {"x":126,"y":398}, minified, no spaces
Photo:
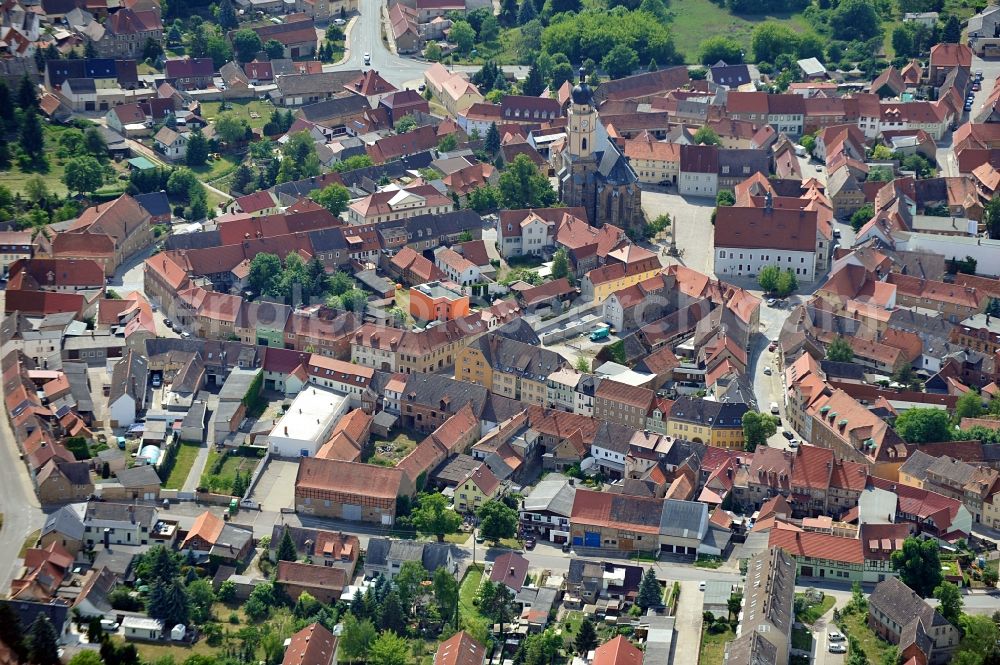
{"x":582,"y":120}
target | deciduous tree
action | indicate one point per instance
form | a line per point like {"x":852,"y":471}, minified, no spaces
{"x":497,"y":520}
{"x":388,"y":649}
{"x":919,"y":565}
{"x":434,"y":516}
{"x":839,"y":351}
{"x":463,"y":36}
{"x":924,"y":425}
{"x":720,"y":47}
{"x":357,"y":636}
{"x":334,"y":197}
{"x":950,"y":602}
{"x":620,"y":61}
{"x":83,"y":174}
{"x":522,"y":186}
{"x":274,"y":49}
{"x":757,"y":429}
{"x":247,"y":44}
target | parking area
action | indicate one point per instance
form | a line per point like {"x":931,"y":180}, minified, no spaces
{"x":276,"y":489}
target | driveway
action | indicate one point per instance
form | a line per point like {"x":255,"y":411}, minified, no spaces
{"x":276,"y":489}
{"x":688,"y":621}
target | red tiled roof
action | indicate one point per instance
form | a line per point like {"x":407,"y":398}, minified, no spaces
{"x":313,"y":645}
{"x":819,"y":546}
{"x":460,"y":649}
{"x":618,"y":651}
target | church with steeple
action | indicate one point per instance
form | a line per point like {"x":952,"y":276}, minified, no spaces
{"x":592,"y":172}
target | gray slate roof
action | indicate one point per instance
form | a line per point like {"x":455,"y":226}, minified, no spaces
{"x":65,"y":521}
{"x":684,"y":519}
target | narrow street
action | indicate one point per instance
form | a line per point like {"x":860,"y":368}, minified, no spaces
{"x":18,"y":504}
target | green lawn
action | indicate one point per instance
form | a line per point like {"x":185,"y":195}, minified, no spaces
{"x":856,"y":626}
{"x":223,"y":480}
{"x":467,"y":610}
{"x":186,"y":455}
{"x":706,"y":561}
{"x":814,"y":612}
{"x":802,"y":639}
{"x":15,"y":179}
{"x":210,"y":110}
{"x":216,"y":168}
{"x":696,"y":20}
{"x":30,"y":541}
{"x":713,"y":646}
{"x":389,"y":452}
{"x":950,"y":568}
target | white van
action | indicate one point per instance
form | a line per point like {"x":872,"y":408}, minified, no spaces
{"x":774,"y":408}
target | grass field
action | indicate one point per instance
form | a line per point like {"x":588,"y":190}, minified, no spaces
{"x":210,"y":111}
{"x":16,"y":180}
{"x":713,"y":646}
{"x":186,"y":455}
{"x":855,"y":625}
{"x":467,"y":610}
{"x":697,"y":20}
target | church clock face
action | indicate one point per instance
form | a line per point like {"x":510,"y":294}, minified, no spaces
{"x":586,"y":124}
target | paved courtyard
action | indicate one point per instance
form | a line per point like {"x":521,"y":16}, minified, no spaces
{"x":276,"y":489}
{"x":692,"y":219}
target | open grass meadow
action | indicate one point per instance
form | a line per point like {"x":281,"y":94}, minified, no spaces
{"x":694,"y":21}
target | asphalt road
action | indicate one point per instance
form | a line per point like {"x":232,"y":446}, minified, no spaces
{"x":18,"y":504}
{"x":365,"y":36}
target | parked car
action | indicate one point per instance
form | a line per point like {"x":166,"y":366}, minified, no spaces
{"x":793,"y":444}
{"x":976,"y":87}
{"x":168,"y":323}
{"x":566,"y":546}
{"x":836,"y":636}
{"x":767,"y":371}
{"x":771,"y":302}
{"x":772,"y":346}
{"x":788,"y":435}
{"x":837,"y":647}
{"x":529,"y":543}
{"x":774,"y":408}
{"x":701,"y":585}
{"x":157,"y":380}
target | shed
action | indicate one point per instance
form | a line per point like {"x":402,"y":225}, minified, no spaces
{"x":142,"y":628}
{"x":382,"y":423}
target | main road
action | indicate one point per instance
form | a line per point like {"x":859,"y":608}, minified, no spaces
{"x":364,"y":35}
